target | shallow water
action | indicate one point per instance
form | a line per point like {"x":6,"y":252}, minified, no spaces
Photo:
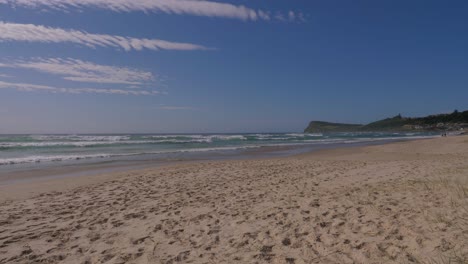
{"x":35,"y":157}
{"x":34,"y":149}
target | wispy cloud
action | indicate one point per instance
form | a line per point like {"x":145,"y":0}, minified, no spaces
{"x":38,"y":33}
{"x":5,"y":75}
{"x":290,"y":16}
{"x":83,"y":71}
{"x":26,"y":87}
{"x":179,"y":7}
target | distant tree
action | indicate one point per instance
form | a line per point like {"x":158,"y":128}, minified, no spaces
{"x":455,"y":112}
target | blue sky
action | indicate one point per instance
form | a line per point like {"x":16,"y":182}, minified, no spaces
{"x":159,"y":66}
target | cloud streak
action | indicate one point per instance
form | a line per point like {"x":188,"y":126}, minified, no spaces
{"x":26,"y":87}
{"x":83,"y":71}
{"x":179,"y":7}
{"x":36,"y":33}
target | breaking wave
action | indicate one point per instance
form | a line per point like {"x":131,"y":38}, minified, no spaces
{"x":17,"y":149}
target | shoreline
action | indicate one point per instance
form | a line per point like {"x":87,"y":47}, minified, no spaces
{"x":81,"y":150}
{"x":404,"y":202}
{"x":18,"y":185}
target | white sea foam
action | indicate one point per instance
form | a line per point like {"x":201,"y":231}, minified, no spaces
{"x":197,"y":138}
{"x":96,"y":143}
{"x":80,"y":137}
{"x":305,"y":135}
{"x":228,"y":137}
{"x":67,"y":143}
{"x":161,"y":144}
{"x":261,"y":136}
{"x":57,"y":158}
{"x":37,"y":159}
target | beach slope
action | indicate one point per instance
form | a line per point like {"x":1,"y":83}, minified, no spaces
{"x":403,"y":202}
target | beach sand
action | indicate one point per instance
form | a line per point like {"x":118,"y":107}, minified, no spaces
{"x":403,"y":202}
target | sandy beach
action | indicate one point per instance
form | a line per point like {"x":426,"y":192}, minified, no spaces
{"x":403,"y":202}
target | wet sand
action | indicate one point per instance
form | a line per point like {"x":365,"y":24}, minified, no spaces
{"x":396,"y":203}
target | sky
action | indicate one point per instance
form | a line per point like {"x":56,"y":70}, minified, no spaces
{"x":201,"y":66}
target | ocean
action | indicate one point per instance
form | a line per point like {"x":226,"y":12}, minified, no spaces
{"x":35,"y":150}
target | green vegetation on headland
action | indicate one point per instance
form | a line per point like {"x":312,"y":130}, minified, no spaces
{"x":443,"y":122}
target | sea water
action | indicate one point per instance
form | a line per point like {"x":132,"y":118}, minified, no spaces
{"x":47,"y":149}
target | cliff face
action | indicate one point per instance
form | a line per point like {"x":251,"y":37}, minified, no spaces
{"x":454,"y":121}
